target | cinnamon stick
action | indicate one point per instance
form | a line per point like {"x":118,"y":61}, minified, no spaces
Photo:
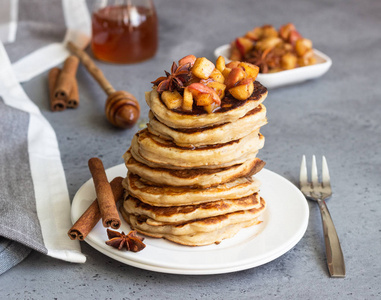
{"x":73,"y":101}
{"x":106,"y":200}
{"x":64,"y":84}
{"x":56,"y":104}
{"x":92,"y":215}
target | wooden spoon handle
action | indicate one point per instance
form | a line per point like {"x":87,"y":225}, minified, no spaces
{"x":92,"y":68}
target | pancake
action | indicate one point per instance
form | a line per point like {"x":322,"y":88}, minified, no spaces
{"x":198,"y":232}
{"x":175,"y":196}
{"x":217,"y":134}
{"x":192,"y":177}
{"x":166,"y":153}
{"x":207,"y":238}
{"x":151,"y":164}
{"x":230,"y":111}
{"x":180,"y":214}
{"x":198,"y":239}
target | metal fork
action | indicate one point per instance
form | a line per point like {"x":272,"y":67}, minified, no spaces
{"x":319,"y":192}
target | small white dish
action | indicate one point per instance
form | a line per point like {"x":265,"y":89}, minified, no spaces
{"x":293,"y":76}
{"x":284,"y":224}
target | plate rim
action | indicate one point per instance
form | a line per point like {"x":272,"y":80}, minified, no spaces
{"x":226,"y":268}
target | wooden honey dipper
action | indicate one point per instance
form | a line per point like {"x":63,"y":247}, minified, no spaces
{"x":122,"y":109}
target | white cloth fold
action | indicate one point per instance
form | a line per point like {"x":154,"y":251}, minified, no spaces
{"x":8,"y":20}
{"x":50,"y":193}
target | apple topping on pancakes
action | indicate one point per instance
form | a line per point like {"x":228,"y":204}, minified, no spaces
{"x":197,"y":82}
{"x":191,"y":172}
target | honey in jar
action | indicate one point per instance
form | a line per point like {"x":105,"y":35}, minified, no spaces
{"x":124,"y":33}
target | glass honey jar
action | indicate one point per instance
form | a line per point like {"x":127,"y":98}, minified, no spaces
{"x":124,"y":31}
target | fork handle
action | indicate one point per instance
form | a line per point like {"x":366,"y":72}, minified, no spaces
{"x":335,"y":258}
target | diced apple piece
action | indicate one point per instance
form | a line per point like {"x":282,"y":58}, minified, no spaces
{"x":204,"y":99}
{"x":284,"y":30}
{"x":244,"y":45}
{"x":220,"y":63}
{"x":288,"y":61}
{"x":312,"y":60}
{"x":226,"y":72}
{"x":306,"y":60}
{"x":294,"y":36}
{"x":235,"y":54}
{"x":198,"y":89}
{"x":302,"y":62}
{"x":234,"y":76}
{"x":217,"y":76}
{"x":218,"y":87}
{"x":287,"y":47}
{"x":302,"y":46}
{"x":309,"y":53}
{"x":243,"y":89}
{"x":250,"y":69}
{"x":211,"y":107}
{"x":267,"y":43}
{"x":187,"y":59}
{"x":202,"y":68}
{"x":172,"y":100}
{"x":269,"y":31}
{"x":187,"y":104}
{"x":233,"y":64}
{"x":254,"y":34}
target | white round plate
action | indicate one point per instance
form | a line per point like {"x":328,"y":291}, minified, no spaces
{"x":284,"y":224}
{"x":293,"y":76}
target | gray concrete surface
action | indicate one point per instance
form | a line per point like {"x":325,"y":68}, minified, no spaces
{"x":337,"y":115}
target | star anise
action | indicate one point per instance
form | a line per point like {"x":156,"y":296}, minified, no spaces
{"x":130,"y":241}
{"x":178,"y":77}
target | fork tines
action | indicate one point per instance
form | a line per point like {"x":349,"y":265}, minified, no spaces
{"x":316,"y":187}
{"x":314,"y":173}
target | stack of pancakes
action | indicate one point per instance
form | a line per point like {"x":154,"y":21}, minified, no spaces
{"x":190,"y":174}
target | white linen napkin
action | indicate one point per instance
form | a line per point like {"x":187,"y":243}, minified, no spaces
{"x":34,"y":200}
{"x":8,"y":20}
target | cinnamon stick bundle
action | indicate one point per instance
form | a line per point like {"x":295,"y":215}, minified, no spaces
{"x":63,"y":86}
{"x":56,"y":104}
{"x":106,"y":200}
{"x":92,"y":215}
{"x":73,"y":100}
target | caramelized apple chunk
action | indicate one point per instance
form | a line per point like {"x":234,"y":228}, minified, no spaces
{"x":269,"y":31}
{"x":302,"y":46}
{"x":198,"y":90}
{"x":211,"y":107}
{"x":244,"y":45}
{"x":250,"y":69}
{"x":271,"y":50}
{"x":187,"y":104}
{"x":172,"y":100}
{"x":218,"y":87}
{"x":254,"y":34}
{"x":217,"y":76}
{"x":289,"y":61}
{"x":220,"y":63}
{"x":233,"y":64}
{"x":202,"y":68}
{"x":285,"y":30}
{"x":243,"y":89}
{"x":226,"y":72}
{"x":234,"y":76}
{"x":187,"y":59}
